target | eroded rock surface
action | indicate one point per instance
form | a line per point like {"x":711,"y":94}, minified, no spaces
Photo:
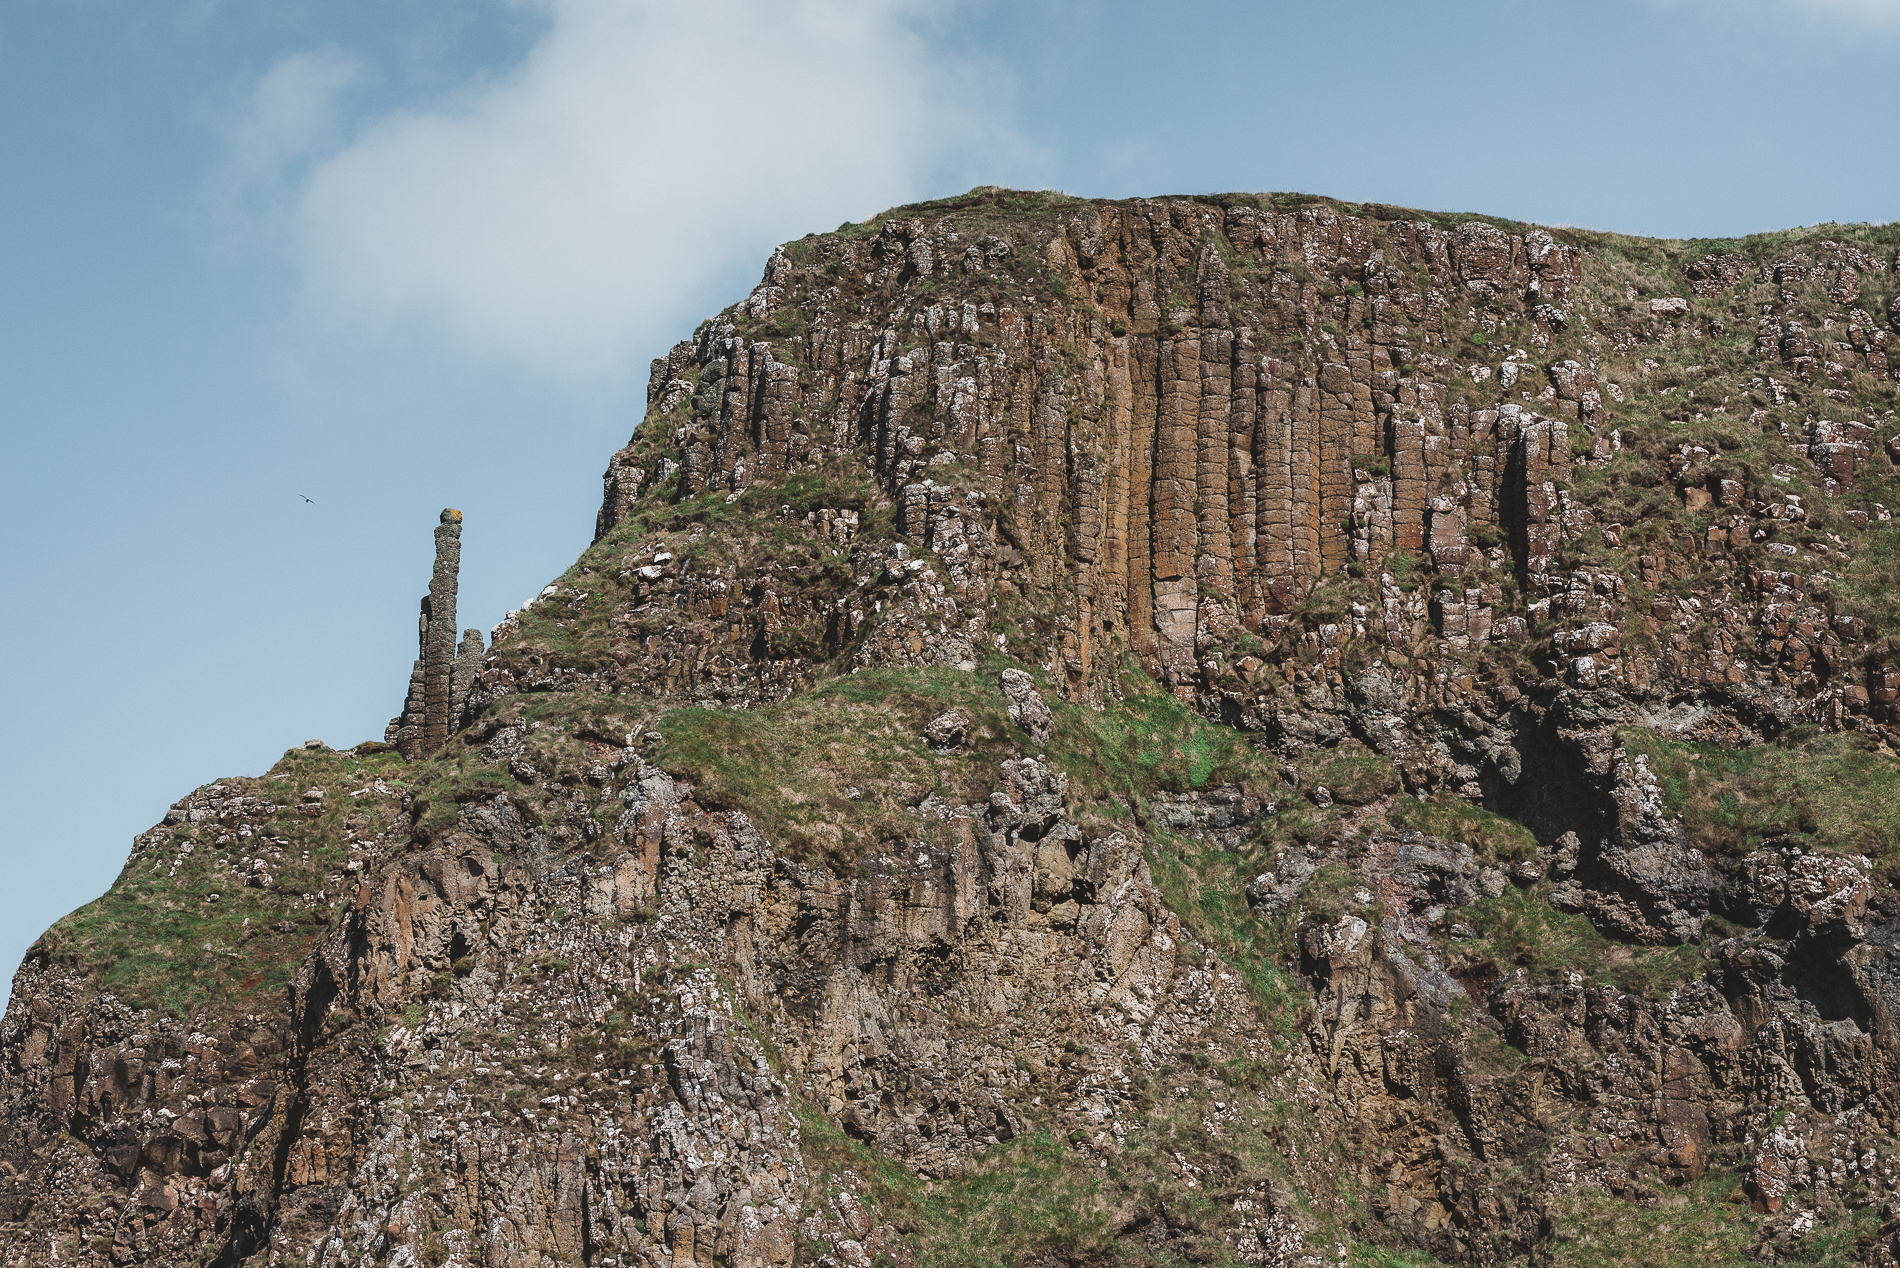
{"x":1223,"y":729}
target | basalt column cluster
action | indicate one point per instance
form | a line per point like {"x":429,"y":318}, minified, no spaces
{"x":1181,"y":414}
{"x":439,"y":683}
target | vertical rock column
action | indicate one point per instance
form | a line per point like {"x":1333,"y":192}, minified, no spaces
{"x":428,"y":715}
{"x":468,"y":663}
{"x":405,"y":732}
{"x":438,"y":636}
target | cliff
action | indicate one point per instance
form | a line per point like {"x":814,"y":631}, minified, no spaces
{"x":1241,"y":729}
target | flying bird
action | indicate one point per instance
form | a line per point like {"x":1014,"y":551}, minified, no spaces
{"x":310,"y":500}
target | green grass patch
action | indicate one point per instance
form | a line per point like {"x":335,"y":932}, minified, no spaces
{"x":1692,"y":1227}
{"x":1835,"y":791}
{"x":1027,"y":1200}
{"x":158,"y":938}
{"x":1147,"y":741}
{"x":1521,"y":929}
{"x":1354,"y":774}
{"x":1870,"y":581}
{"x":1454,"y":819}
{"x":835,"y":773}
{"x":1364,"y":1256}
{"x":1207,"y":889}
{"x":743,"y":539}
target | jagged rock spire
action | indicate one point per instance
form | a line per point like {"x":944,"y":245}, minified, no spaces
{"x":439,"y":683}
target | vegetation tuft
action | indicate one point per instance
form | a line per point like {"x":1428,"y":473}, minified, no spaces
{"x":1521,"y":931}
{"x":1831,"y":791}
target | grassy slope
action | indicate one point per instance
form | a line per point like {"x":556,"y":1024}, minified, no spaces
{"x":160,"y":939}
{"x":1835,"y":792}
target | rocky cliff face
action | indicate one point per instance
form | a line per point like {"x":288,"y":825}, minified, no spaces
{"x":1230,"y":730}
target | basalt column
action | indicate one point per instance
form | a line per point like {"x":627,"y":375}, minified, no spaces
{"x":428,"y":714}
{"x":438,"y":633}
{"x":468,"y":663}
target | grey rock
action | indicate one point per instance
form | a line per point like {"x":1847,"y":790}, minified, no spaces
{"x":1443,"y":870}
{"x":949,"y":730}
{"x":1568,"y":896}
{"x":1027,"y":709}
{"x":468,"y":664}
{"x":1647,"y":882}
{"x":1270,"y":894}
{"x":1563,"y":858}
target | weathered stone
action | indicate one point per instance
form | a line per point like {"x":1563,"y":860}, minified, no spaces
{"x":949,"y":729}
{"x":1027,"y":709}
{"x":468,"y":664}
{"x":430,"y":713}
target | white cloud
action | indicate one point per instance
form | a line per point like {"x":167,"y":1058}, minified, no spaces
{"x":1850,"y":15}
{"x":568,"y":217}
{"x":1872,"y":12}
{"x":290,"y":115}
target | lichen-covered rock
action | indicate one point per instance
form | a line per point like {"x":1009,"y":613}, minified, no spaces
{"x":949,"y":729}
{"x":1027,"y":708}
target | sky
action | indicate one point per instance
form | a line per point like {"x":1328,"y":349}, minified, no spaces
{"x":280,"y":281}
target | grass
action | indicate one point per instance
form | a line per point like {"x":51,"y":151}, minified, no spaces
{"x":833,"y":774}
{"x":1520,"y":929}
{"x":1352,"y":773}
{"x":1870,"y":583}
{"x":1029,"y":1196}
{"x":565,"y":733}
{"x":1080,"y":1196}
{"x":133,"y":939}
{"x":793,"y":766}
{"x":1018,"y":1201}
{"x":1703,"y":1223}
{"x":1364,"y":1256}
{"x":746,"y":540}
{"x":1449,"y":818}
{"x":1207,"y":889}
{"x":1145,"y":742}
{"x":157,"y":940}
{"x":1833,"y":791}
{"x":1700,"y":1224}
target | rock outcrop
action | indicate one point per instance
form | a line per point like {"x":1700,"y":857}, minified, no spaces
{"x":1242,"y":729}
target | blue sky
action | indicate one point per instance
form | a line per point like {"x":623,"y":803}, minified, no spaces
{"x":401,"y":255}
